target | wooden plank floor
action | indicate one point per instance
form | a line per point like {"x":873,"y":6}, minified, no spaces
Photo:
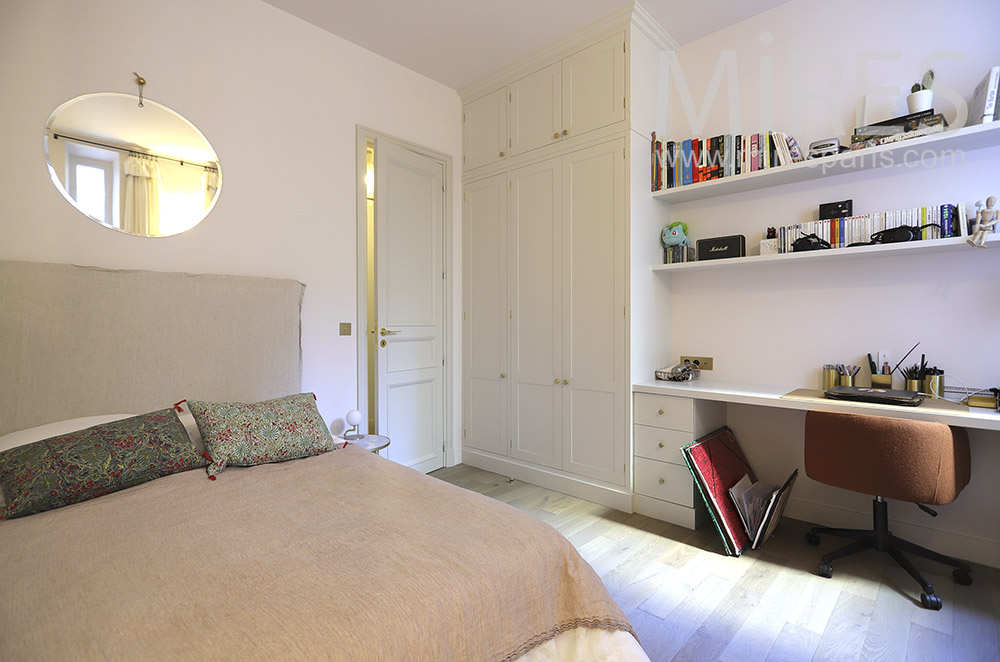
{"x":688,"y":601}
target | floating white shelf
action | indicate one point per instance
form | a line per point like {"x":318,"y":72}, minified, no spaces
{"x":946,"y":145}
{"x":909,"y":248}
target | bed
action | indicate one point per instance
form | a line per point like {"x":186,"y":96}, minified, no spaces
{"x":334,"y":555}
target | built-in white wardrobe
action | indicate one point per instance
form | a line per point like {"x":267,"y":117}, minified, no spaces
{"x":546,"y":225}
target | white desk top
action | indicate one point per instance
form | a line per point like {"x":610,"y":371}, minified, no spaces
{"x":788,"y":397}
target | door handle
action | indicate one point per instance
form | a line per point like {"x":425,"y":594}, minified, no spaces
{"x":386,"y":332}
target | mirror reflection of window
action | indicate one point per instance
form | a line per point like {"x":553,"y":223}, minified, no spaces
{"x":144,"y":171}
{"x":92,"y":181}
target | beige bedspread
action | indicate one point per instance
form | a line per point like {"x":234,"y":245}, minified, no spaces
{"x":345,"y":556}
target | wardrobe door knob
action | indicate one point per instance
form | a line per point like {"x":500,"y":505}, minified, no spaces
{"x":660,"y":412}
{"x":555,"y":135}
{"x":662,"y":481}
{"x":501,"y":153}
{"x":660,"y":444}
{"x":555,"y":381}
{"x":503,"y":375}
{"x":566,"y":381}
{"x":565,"y":132}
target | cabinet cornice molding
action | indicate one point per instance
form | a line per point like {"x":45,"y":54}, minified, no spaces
{"x":649,"y":27}
{"x":551,"y":53}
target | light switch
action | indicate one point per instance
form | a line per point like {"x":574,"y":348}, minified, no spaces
{"x":345,"y":328}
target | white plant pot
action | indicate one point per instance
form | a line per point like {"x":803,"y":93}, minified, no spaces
{"x":922,"y":100}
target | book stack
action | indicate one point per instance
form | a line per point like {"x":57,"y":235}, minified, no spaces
{"x":678,"y":163}
{"x":923,"y":123}
{"x":945,"y":220}
{"x":984,"y":107}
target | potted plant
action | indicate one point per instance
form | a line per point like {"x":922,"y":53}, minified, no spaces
{"x":921,"y":97}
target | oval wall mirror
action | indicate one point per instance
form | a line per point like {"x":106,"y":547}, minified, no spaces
{"x":145,"y":171}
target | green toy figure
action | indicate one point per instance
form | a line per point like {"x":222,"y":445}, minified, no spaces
{"x":675,"y":234}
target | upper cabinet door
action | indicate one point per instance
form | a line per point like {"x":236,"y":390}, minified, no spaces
{"x":484,"y":130}
{"x":536,"y":109}
{"x":593,"y":86}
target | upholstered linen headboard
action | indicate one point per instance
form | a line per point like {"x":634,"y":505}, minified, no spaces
{"x":80,"y":341}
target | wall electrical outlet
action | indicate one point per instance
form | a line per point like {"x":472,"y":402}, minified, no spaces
{"x":345,"y":328}
{"x":703,"y":362}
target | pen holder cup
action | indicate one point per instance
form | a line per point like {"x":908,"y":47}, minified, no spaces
{"x":913,"y":385}
{"x":829,"y":379}
{"x":881,"y":381}
{"x":847,"y":380}
{"x":934,"y":384}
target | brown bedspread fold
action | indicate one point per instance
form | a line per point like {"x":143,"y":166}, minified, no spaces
{"x":344,"y":556}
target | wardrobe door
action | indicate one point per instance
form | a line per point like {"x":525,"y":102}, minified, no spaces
{"x":485,"y":314}
{"x":593,"y":312}
{"x":536,"y":109}
{"x":593,"y":86}
{"x":535,"y":290}
{"x":484,"y":130}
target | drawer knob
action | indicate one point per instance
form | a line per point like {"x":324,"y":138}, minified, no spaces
{"x":555,"y":135}
{"x":662,"y":481}
{"x":660,"y":444}
{"x":660,"y":412}
{"x":501,"y":154}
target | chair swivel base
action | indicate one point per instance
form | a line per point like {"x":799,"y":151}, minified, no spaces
{"x":882,"y":540}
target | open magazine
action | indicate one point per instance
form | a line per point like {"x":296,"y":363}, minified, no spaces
{"x":760,"y":506}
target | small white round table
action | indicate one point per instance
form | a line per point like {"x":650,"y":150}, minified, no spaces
{"x":370,"y":442}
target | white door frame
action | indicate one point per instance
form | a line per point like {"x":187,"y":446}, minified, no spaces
{"x":365,"y":135}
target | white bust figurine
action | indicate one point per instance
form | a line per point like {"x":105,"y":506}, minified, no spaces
{"x":985,"y":220}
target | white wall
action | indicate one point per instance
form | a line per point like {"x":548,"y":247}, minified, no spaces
{"x":278,"y":99}
{"x":778,"y":324}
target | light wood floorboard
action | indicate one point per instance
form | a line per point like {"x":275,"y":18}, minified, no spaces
{"x":688,"y":601}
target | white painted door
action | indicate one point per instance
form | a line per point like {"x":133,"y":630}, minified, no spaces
{"x":536,"y":304}
{"x":409,"y":281}
{"x":536,"y":109}
{"x":593,"y":86}
{"x":485,"y":311}
{"x":594,"y":391}
{"x":484,"y":130}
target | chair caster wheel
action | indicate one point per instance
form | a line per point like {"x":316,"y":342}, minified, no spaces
{"x":931,"y":601}
{"x":961,"y":576}
{"x":825,"y":570}
{"x":812,"y":538}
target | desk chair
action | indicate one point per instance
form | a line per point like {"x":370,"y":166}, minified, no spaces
{"x":917,"y":461}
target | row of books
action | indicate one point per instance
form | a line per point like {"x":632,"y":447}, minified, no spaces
{"x":945,"y":220}
{"x":679,"y":163}
{"x":914,"y":125}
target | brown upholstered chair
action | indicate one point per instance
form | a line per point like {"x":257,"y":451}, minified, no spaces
{"x":889,"y":458}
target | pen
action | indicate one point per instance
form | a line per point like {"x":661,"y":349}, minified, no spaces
{"x":904,"y":357}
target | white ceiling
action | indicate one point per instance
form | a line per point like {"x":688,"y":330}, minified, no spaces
{"x":457,"y":42}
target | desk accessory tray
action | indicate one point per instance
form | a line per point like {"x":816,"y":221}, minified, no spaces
{"x":880,"y":396}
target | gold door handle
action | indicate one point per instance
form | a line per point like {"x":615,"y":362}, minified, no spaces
{"x":660,"y":444}
{"x":662,"y":481}
{"x":555,"y":381}
{"x":503,"y":375}
{"x":501,"y":153}
{"x":565,"y":132}
{"x":555,"y":135}
{"x":661,"y":412}
{"x":566,"y":381}
{"x":386,"y":332}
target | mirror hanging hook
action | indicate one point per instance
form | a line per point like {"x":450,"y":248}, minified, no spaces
{"x":140,"y":81}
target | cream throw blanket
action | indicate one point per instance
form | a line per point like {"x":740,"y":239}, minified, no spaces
{"x":344,"y":556}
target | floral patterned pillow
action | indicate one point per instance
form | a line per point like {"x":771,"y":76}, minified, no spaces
{"x":98,"y":460}
{"x":244,"y":435}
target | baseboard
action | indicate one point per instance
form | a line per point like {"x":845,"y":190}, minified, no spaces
{"x":968,"y":548}
{"x":613,"y":497}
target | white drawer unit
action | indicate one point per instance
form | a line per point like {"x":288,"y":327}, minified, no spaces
{"x":662,"y":484}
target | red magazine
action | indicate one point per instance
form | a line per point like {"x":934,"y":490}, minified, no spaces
{"x":717,"y":463}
